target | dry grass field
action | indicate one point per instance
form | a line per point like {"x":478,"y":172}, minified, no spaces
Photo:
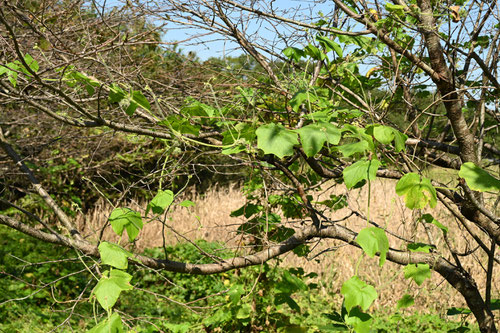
{"x":210,"y":220}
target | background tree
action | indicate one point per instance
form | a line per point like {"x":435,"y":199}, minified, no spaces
{"x":351,"y":91}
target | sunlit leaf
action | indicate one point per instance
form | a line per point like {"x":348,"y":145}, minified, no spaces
{"x":361,"y":170}
{"x":160,"y":202}
{"x":314,"y":136}
{"x":418,"y":191}
{"x":374,"y":240}
{"x":478,"y":179}
{"x":276,"y":139}
{"x":417,"y":272}
{"x":358,"y":293}
{"x":405,"y":301}
{"x":114,"y":255}
{"x":126,"y":218}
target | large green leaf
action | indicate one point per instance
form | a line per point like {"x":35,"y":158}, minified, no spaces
{"x":417,"y":272}
{"x":276,"y":139}
{"x":161,"y":201}
{"x":373,"y":240}
{"x":314,"y":136}
{"x":478,"y":179}
{"x":113,"y":324}
{"x":108,"y":289}
{"x":361,"y":170}
{"x":358,"y":293}
{"x":418,"y":191}
{"x":126,"y":218}
{"x":113,"y":255}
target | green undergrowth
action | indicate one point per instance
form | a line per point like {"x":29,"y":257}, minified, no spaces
{"x":257,"y":299}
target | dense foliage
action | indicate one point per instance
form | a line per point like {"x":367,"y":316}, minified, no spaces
{"x":94,"y":106}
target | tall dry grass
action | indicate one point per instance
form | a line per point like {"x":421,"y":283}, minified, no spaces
{"x":335,"y":262}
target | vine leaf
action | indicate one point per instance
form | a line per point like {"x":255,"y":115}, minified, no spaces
{"x":330,"y":45}
{"x":419,"y":247}
{"x":294,"y":53}
{"x":361,"y":170}
{"x":113,"y":255}
{"x":417,"y":272}
{"x":360,"y":321}
{"x":405,"y":301}
{"x":112,"y":324}
{"x":160,"y":202}
{"x":108,"y":289}
{"x":373,"y":240}
{"x":386,"y":134}
{"x":428,"y":218}
{"x":418,"y":191}
{"x":126,"y":218}
{"x":358,"y":293}
{"x":355,"y":147}
{"x":478,"y":179}
{"x":276,"y":139}
{"x":314,"y":136}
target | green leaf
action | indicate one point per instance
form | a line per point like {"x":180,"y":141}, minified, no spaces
{"x":360,"y":321}
{"x":181,"y":125}
{"x":282,"y":298}
{"x":358,"y":293}
{"x":245,"y":311}
{"x":314,"y":136}
{"x":130,"y":110}
{"x":419,"y":247}
{"x":397,"y":9}
{"x":373,"y":240}
{"x":116,"y":93}
{"x":418,"y":191}
{"x":383,"y":134}
{"x":32,"y":63}
{"x":417,"y":272}
{"x":108,"y":289}
{"x":197,"y":109}
{"x":299,"y":98}
{"x":405,"y":301}
{"x":361,"y":170}
{"x":330,"y":45}
{"x":386,"y":134}
{"x":457,"y":311}
{"x":495,"y":304}
{"x":294,"y":53}
{"x":428,"y":218}
{"x":247,"y":210}
{"x":114,"y":255}
{"x":113,"y":324}
{"x":478,"y":179}
{"x":187,"y":204}
{"x":353,"y":148}
{"x":139,"y":99}
{"x":161,"y":201}
{"x":276,"y":139}
{"x":314,"y":52}
{"x":294,"y":281}
{"x":235,"y":293}
{"x":126,"y":218}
